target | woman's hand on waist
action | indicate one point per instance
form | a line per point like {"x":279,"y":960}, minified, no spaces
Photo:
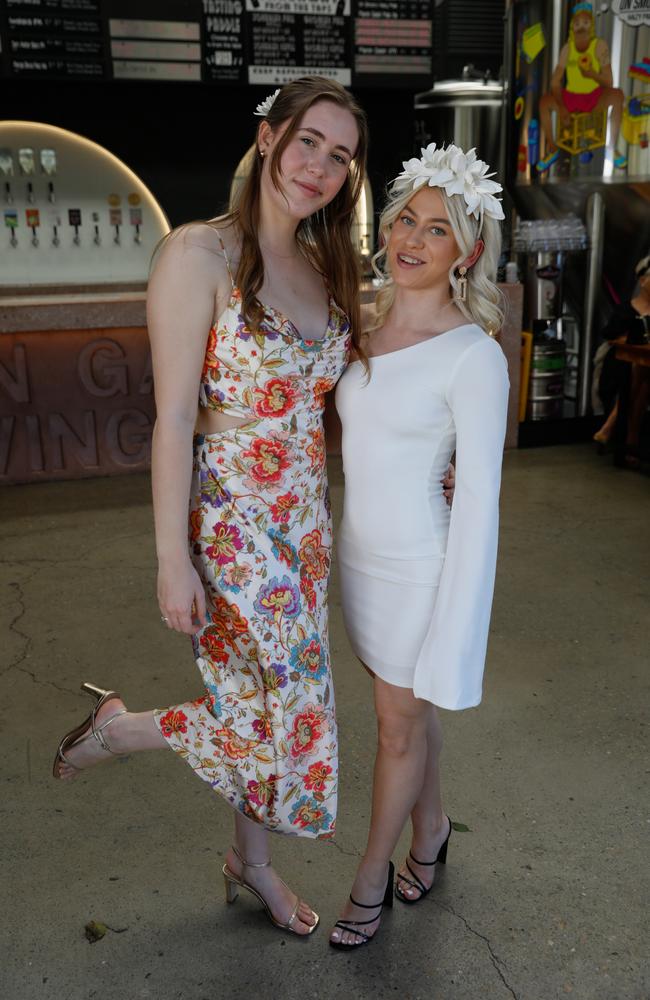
{"x":181,"y":596}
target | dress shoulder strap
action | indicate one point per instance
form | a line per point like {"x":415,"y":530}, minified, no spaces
{"x":225,"y":257}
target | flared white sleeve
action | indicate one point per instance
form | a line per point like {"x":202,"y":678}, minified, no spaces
{"x":450,"y":665}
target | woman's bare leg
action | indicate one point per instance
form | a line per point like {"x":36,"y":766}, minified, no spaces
{"x":138,"y":731}
{"x":126,"y":734}
{"x":430,"y":825}
{"x":252,"y":842}
{"x":400,"y":768}
{"x":605,"y":432}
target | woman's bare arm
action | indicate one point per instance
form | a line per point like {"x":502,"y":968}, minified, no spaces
{"x":181,"y":301}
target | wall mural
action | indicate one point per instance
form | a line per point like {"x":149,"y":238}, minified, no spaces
{"x":581,"y":103}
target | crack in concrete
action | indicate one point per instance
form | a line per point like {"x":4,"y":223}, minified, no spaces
{"x":20,"y":600}
{"x":36,"y":680}
{"x":341,"y":850}
{"x":494,"y":958}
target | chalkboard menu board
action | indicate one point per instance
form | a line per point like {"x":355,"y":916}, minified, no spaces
{"x":264,"y":42}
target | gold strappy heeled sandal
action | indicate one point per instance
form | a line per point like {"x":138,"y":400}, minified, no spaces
{"x":80,"y":734}
{"x":233,"y":884}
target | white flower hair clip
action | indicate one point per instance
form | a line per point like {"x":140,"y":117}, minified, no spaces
{"x":458,"y":173}
{"x":263,"y":109}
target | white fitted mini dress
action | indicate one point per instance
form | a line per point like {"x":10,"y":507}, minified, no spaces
{"x":416,"y":578}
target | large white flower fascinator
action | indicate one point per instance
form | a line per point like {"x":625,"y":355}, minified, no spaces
{"x":457,"y":173}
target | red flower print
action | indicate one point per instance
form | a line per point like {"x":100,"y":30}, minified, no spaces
{"x":233,"y":745}
{"x":173,"y":722}
{"x":270,"y":460}
{"x":224,"y":543}
{"x":211,"y":360}
{"x":212,"y":646}
{"x":317,"y":776}
{"x":196,"y":522}
{"x":321,"y":386}
{"x":281,"y":509}
{"x":307,"y":731}
{"x":308,"y":592}
{"x":314,"y":555}
{"x":227,"y":621}
{"x":276,"y":398}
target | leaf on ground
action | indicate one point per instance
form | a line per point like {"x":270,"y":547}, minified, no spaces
{"x":460,"y":827}
{"x":95,"y":931}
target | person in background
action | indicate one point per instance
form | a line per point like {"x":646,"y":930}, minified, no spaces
{"x":628,"y":324}
{"x":416,"y":576}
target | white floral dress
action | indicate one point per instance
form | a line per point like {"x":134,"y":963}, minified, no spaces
{"x":264,"y":734}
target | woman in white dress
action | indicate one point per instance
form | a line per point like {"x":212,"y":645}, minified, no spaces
{"x":416,"y":578}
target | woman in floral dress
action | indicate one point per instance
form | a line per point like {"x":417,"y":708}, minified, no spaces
{"x":252,"y":590}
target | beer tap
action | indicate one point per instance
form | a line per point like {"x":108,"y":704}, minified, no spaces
{"x":74,"y":219}
{"x":30,"y":192}
{"x":51,"y":197}
{"x":115,"y":216}
{"x":33,"y":218}
{"x":136,"y":221}
{"x":11,"y":221}
{"x":9,"y":198}
{"x":97,"y":240}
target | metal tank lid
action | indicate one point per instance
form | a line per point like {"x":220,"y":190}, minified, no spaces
{"x":473,"y":85}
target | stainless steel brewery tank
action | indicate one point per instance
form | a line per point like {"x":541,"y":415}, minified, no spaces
{"x":467,"y":112}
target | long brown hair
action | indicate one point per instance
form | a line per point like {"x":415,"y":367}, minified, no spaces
{"x":324,"y":237}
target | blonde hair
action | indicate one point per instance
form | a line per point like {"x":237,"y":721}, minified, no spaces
{"x":484,"y":304}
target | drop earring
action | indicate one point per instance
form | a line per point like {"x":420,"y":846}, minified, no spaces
{"x":461,"y":295}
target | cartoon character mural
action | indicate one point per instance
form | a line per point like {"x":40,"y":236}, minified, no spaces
{"x":582,"y":94}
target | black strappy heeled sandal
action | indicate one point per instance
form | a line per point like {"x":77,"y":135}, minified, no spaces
{"x":352,"y":925}
{"x":418,"y":883}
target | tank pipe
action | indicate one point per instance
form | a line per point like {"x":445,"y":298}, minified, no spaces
{"x":595,"y":223}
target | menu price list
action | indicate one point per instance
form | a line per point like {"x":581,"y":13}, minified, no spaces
{"x":223,"y":41}
{"x":264,"y":42}
{"x":286,"y":45}
{"x":46,"y":38}
{"x":393,"y":42}
{"x":290,"y":38}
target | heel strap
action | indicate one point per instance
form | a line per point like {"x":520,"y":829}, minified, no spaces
{"x":251,"y":864}
{"x":365,"y":906}
{"x":98,"y":731}
{"x":424,"y":864}
{"x":429,"y":864}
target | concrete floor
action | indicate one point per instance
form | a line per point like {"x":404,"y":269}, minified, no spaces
{"x":543,"y":898}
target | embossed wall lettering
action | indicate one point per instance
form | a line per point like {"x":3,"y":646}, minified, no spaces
{"x":6,"y":436}
{"x":102,"y":368}
{"x":13,"y":375}
{"x":69,"y":442}
{"x":75,"y":403}
{"x":128,"y":436}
